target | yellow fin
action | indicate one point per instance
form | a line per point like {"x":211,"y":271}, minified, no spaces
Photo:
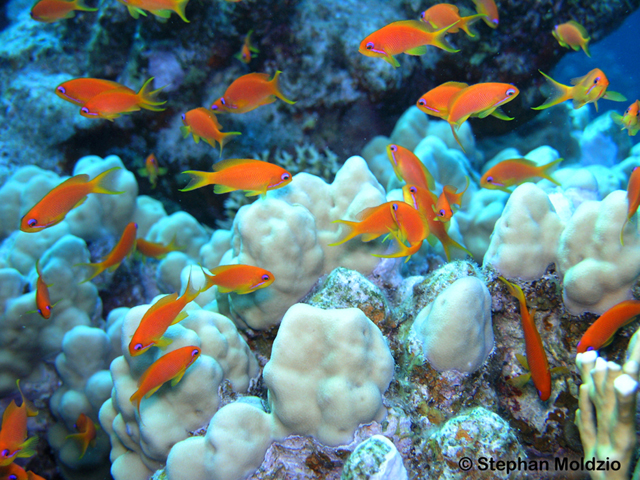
{"x":164,"y":342}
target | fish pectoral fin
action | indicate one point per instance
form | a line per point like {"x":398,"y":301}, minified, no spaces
{"x":253,"y":193}
{"x":392,"y":60}
{"x":181,"y":316}
{"x":486,"y":113}
{"x":520,"y":381}
{"x":175,"y":380}
{"x":164,"y":342}
{"x":498,"y":113}
{"x":433,"y":240}
{"x":185,"y":133}
{"x":80,"y":202}
{"x":615,"y":96}
{"x":222,"y":289}
{"x":421,"y":50}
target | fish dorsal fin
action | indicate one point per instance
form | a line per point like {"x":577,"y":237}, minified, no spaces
{"x":577,"y":80}
{"x":366,"y":212}
{"x":580,"y":28}
{"x":75,"y":180}
{"x":523,"y":161}
{"x":232,"y":162}
{"x":222,"y":268}
{"x":413,"y":24}
{"x":460,"y":85}
{"x":162,"y":302}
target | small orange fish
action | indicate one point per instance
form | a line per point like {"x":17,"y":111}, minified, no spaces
{"x":489,"y":9}
{"x":245,"y":52}
{"x":240,"y":279}
{"x":481,"y":100}
{"x":631,"y":118}
{"x":409,"y":168}
{"x":70,"y":194}
{"x":412,"y":227}
{"x":80,"y":90}
{"x":587,"y":89}
{"x":170,"y":366}
{"x":49,"y":11}
{"x":443,"y":14}
{"x":572,"y":35}
{"x":254,"y":176}
{"x":110,"y":104}
{"x":16,"y":472}
{"x":448,"y":197}
{"x":633,"y":198}
{"x":87,"y":433}
{"x":250,"y":92}
{"x":202,"y":123}
{"x":407,"y":36}
{"x":601,"y":332}
{"x":424,"y":201}
{"x":43,"y":302}
{"x":374,"y":222}
{"x":152,"y":170}
{"x":159,"y":8}
{"x":156,"y":250}
{"x":516,"y":172}
{"x":13,"y":434}
{"x":536,"y":356}
{"x":161,"y":315}
{"x":112,"y":261}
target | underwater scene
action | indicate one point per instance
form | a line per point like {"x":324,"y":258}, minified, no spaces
{"x":296,"y":240}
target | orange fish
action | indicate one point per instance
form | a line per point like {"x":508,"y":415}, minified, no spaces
{"x":152,"y":170}
{"x":601,"y":332}
{"x":112,"y":103}
{"x":481,"y":99}
{"x":587,"y":89}
{"x":250,"y":92}
{"x":412,"y":227}
{"x":202,"y":123}
{"x":49,"y":11}
{"x":409,"y":168}
{"x":572,"y":35}
{"x":631,"y":118}
{"x":16,"y":472}
{"x":424,"y":201}
{"x":170,"y":366}
{"x":156,"y":250}
{"x":448,"y":197}
{"x":254,"y":176}
{"x":443,"y":14}
{"x":374,"y":222}
{"x":516,"y":172}
{"x":633,"y":198}
{"x":70,"y":194}
{"x":536,"y":356}
{"x":112,"y":261}
{"x":489,"y":9}
{"x":161,"y":315}
{"x":159,"y":8}
{"x":13,"y":434}
{"x":87,"y":433}
{"x":245,"y":52}
{"x":240,"y":279}
{"x":43,"y":303}
{"x":80,"y":90}
{"x":407,"y":36}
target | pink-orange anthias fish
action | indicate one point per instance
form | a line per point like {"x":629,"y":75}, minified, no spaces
{"x":161,"y":315}
{"x":448,"y":197}
{"x":444,"y":14}
{"x":13,"y":434}
{"x":170,"y":366}
{"x":86,"y":435}
{"x":633,"y":199}
{"x":631,"y":118}
{"x":159,"y":8}
{"x":374,"y":222}
{"x":587,"y":89}
{"x":70,"y":194}
{"x":202,"y":123}
{"x":516,"y":172}
{"x":156,"y":250}
{"x":113,"y":103}
{"x":43,"y":302}
{"x":80,"y":90}
{"x":152,"y":170}
{"x":601,"y":332}
{"x":536,"y":356}
{"x":253,"y":176}
{"x":250,"y":92}
{"x":409,"y":168}
{"x":240,"y":279}
{"x":247,"y":49}
{"x":572,"y":35}
{"x":407,"y":36}
{"x":16,"y":472}
{"x":489,"y":10}
{"x":122,"y":250}
{"x":49,"y":11}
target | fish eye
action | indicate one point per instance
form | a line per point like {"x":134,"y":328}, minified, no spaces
{"x":265,"y":277}
{"x":394,"y":206}
{"x":489,"y":179}
{"x":40,"y":311}
{"x":6,"y":452}
{"x":422,"y":16}
{"x":422,"y":102}
{"x":441,"y":213}
{"x":195,"y":352}
{"x":48,"y":308}
{"x":589,"y":349}
{"x":12,"y":477}
{"x":32,"y":222}
{"x":61,"y":89}
{"x":285,"y":176}
{"x":413,"y":189}
{"x":84,"y":110}
{"x":214,"y":107}
{"x":393,"y":148}
{"x":184,"y":116}
{"x":222,"y":101}
{"x":137,"y":347}
{"x":597,"y":79}
{"x":510,"y":92}
{"x":369,"y":46}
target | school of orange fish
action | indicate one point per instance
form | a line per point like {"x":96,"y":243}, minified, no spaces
{"x":422,"y":215}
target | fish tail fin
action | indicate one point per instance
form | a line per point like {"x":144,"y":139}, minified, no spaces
{"x":180,"y":10}
{"x":30,"y":407}
{"x":466,"y":22}
{"x":28,"y":448}
{"x":79,"y":437}
{"x":83,"y":7}
{"x":403,"y":251}
{"x":561,"y":93}
{"x":95,"y":269}
{"x":225,"y":138}
{"x":585,"y":48}
{"x":99,"y":184}
{"x":440,"y":41}
{"x":622,"y":231}
{"x":617,"y":118}
{"x":147,"y":96}
{"x":190,"y":292}
{"x":544,"y":171}
{"x":355,"y":231}
{"x":449,"y":242}
{"x":455,"y":135}
{"x":198,"y":180}
{"x":276,"y":89}
{"x":136,"y":398}
{"x":514,"y":290}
